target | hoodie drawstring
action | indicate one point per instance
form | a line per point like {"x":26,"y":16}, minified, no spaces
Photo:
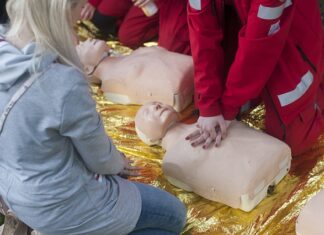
{"x":17,"y":95}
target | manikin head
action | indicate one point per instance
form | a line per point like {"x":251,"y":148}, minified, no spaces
{"x":153,"y":120}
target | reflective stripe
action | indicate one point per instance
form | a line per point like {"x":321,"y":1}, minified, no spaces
{"x":274,"y":28}
{"x":245,"y":107}
{"x":195,"y":4}
{"x":272,"y":13}
{"x":299,"y":91}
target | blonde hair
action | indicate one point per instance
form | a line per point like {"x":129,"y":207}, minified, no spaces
{"x":50,"y":23}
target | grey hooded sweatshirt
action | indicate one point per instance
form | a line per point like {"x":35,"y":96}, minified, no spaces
{"x":52,"y":146}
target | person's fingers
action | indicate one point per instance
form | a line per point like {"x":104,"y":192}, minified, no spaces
{"x":218,"y":139}
{"x":140,"y":3}
{"x":208,"y":143}
{"x":193,"y":135}
{"x":91,"y":13}
{"x":86,"y":14}
{"x":205,"y":134}
{"x":82,"y":15}
{"x":223,"y":129}
{"x":136,"y":2}
{"x":144,"y":3}
{"x":212,"y":133}
{"x":133,"y":168}
{"x":199,"y":141}
{"x":130,"y":173}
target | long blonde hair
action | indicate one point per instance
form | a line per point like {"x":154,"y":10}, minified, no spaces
{"x":50,"y":23}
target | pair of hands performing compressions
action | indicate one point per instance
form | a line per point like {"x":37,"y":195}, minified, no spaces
{"x":88,"y":10}
{"x":210,"y":131}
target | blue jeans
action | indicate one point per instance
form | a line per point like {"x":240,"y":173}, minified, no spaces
{"x":162,"y":213}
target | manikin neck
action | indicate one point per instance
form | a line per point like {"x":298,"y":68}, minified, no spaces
{"x":167,"y":139}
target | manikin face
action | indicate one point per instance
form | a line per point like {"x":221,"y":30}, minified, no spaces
{"x":91,"y":51}
{"x":154,"y":118}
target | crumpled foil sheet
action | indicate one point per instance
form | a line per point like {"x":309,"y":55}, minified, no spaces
{"x":275,"y":215}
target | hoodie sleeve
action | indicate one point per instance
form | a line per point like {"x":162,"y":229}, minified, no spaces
{"x":82,"y":124}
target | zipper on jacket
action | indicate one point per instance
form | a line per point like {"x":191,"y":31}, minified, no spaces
{"x":282,"y":125}
{"x":305,"y":58}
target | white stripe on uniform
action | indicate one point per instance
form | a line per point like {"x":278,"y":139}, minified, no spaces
{"x":272,"y":13}
{"x":195,"y":4}
{"x":299,"y":91}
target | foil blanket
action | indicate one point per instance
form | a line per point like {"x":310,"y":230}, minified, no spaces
{"x":276,"y":214}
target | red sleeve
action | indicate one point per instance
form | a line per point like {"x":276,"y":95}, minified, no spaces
{"x":205,"y":37}
{"x":261,"y":42}
{"x":95,"y":3}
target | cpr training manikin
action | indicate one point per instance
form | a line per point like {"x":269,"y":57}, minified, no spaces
{"x":238,"y":173}
{"x":147,"y":74}
{"x":310,"y":220}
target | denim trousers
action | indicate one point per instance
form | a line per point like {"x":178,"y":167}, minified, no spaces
{"x":162,"y":213}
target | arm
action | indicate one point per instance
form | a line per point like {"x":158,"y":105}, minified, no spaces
{"x":89,"y":9}
{"x":95,"y":3}
{"x":261,"y":43}
{"x":205,"y":20}
{"x":82,"y":124}
{"x":206,"y":35}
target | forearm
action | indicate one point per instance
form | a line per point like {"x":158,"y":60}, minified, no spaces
{"x":206,"y":35}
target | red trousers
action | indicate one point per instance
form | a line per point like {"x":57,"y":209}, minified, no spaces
{"x":174,"y":32}
{"x":135,"y":27}
{"x":302,"y":132}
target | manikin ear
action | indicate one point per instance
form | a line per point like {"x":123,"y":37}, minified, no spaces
{"x":145,"y":139}
{"x":88,"y":69}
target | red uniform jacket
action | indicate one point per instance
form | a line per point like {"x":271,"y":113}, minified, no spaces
{"x":94,"y":3}
{"x":279,"y":54}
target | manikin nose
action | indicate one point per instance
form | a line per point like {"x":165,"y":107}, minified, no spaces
{"x":158,"y":106}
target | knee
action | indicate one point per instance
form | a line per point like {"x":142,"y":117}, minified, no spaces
{"x":180,"y":217}
{"x":126,"y":38}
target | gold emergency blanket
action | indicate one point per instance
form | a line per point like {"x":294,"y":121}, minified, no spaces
{"x":275,"y":215}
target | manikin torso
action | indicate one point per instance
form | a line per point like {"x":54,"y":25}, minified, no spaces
{"x":148,"y":74}
{"x":310,"y":220}
{"x":237,"y":173}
